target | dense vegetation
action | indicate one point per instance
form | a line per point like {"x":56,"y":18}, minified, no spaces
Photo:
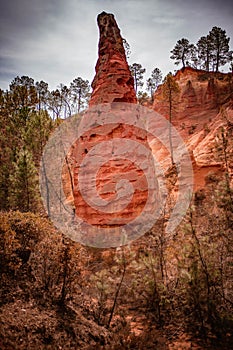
{"x":210,"y":53}
{"x":57,"y":294}
{"x":29,"y":112}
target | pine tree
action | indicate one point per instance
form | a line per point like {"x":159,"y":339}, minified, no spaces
{"x":219,"y":47}
{"x":24,"y":96}
{"x":42,"y":94}
{"x":80,"y":93}
{"x":137,"y":72}
{"x":153,"y":81}
{"x":66,"y":100}
{"x":170,"y":91}
{"x":10,"y":139}
{"x":204,"y":51}
{"x":55,"y":103}
{"x":41,"y":122}
{"x":183,"y":52}
{"x":142,"y":97}
{"x":24,"y":190}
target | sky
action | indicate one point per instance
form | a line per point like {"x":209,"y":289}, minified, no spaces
{"x":57,"y":40}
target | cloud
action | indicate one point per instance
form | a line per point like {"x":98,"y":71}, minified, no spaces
{"x":23,"y":24}
{"x":57,"y":40}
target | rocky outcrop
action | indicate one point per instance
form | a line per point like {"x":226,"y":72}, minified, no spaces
{"x":201,"y":96}
{"x":105,"y":154}
{"x":202,"y":107}
{"x":113,"y":81}
{"x":103,"y":179}
{"x":108,"y":178}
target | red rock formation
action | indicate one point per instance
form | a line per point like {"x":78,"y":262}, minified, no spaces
{"x":104,"y":181}
{"x":113,"y":81}
{"x":108,"y":175}
{"x":201,"y":95}
{"x":198,"y":115}
{"x":112,"y":84}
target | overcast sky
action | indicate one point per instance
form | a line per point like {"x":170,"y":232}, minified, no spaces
{"x":57,"y":40}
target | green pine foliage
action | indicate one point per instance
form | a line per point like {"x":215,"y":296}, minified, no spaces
{"x":170,"y":94}
{"x":210,"y":53}
{"x":137,"y":72}
{"x":41,"y":122}
{"x":182,"y":52}
{"x":23,"y":190}
{"x":154,"y":80}
{"x":180,"y":284}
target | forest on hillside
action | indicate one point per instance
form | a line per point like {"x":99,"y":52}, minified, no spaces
{"x":162,"y":291}
{"x":56,"y":293}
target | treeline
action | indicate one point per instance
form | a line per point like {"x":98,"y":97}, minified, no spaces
{"x":181,"y":283}
{"x":29,"y":111}
{"x":210,"y":53}
{"x":25,"y":94}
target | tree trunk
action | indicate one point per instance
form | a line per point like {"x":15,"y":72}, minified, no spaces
{"x":170,"y":129}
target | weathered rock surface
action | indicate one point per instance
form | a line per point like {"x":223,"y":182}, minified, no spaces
{"x":200,"y":98}
{"x":109,"y":179}
{"x":103,"y":179}
{"x":113,"y":85}
{"x":113,"y":81}
{"x":203,"y":106}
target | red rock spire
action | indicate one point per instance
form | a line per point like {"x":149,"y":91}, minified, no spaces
{"x":111,"y":151}
{"x":113,"y":81}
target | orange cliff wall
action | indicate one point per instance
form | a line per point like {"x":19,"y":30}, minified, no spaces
{"x":200,"y":109}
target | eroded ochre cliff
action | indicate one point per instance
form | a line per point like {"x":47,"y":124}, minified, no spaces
{"x":202,"y":107}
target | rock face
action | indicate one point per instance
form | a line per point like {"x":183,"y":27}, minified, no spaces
{"x":103,"y":179}
{"x":201,"y":96}
{"x":106,"y":128}
{"x":109,"y":179}
{"x":203,"y":106}
{"x":113,"y":81}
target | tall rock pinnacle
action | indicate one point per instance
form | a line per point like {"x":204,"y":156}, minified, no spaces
{"x":107,"y":169}
{"x":113,"y":81}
